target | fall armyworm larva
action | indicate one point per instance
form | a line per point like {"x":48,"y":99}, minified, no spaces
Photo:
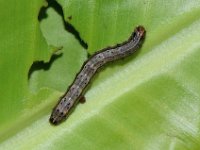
{"x":88,"y":70}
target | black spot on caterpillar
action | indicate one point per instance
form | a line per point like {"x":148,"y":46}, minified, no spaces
{"x":89,"y":68}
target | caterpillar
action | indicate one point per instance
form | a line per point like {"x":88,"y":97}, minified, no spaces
{"x":88,"y":70}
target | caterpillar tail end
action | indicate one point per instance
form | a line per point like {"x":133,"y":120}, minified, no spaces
{"x":57,"y":117}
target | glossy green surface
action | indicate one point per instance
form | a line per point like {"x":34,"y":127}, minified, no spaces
{"x":149,"y":101}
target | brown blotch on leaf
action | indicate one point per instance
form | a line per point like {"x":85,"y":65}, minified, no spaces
{"x":69,"y":17}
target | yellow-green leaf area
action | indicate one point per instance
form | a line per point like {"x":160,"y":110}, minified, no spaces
{"x":148,"y":101}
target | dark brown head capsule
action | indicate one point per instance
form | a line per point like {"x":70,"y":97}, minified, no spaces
{"x":140,"y":30}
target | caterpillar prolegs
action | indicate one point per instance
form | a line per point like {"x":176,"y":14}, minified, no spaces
{"x":88,"y":70}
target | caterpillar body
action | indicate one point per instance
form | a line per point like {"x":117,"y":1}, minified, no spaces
{"x":88,"y":70}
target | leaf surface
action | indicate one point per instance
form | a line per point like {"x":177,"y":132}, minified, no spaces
{"x":148,"y":101}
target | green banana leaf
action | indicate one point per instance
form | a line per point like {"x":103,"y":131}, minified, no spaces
{"x":148,"y":101}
